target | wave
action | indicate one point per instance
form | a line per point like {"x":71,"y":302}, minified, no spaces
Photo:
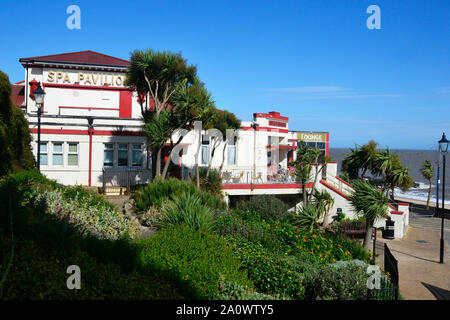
{"x":419,"y":193}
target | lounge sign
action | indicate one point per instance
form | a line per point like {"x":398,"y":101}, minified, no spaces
{"x":312,"y":136}
{"x":98,"y":78}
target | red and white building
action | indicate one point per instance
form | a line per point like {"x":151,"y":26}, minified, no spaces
{"x":91,"y":134}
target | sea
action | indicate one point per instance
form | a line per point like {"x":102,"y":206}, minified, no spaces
{"x":413,"y":159}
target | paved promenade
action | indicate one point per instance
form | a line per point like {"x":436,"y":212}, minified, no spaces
{"x":421,"y":275}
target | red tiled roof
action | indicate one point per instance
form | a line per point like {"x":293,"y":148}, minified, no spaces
{"x":82,"y":57}
{"x":17,"y":94}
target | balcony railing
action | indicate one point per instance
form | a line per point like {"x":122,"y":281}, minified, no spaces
{"x":246,"y":176}
{"x":115,"y":179}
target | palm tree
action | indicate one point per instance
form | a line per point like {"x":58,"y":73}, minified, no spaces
{"x":324,"y":201}
{"x":427,"y":172}
{"x":370,"y":203}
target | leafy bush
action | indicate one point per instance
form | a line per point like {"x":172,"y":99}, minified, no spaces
{"x":159,"y":191}
{"x":40,"y":262}
{"x":247,"y":225}
{"x":211,"y":183}
{"x":196,"y":260}
{"x":15,"y":136}
{"x":328,"y":248}
{"x":267,"y":206}
{"x":85,"y":210}
{"x":235,"y":291}
{"x":271,"y":273}
{"x":337,"y":282}
{"x":186,"y":209}
{"x":307,"y":218}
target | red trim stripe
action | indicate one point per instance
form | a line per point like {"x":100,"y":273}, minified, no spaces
{"x":397,"y":212}
{"x":85,"y":132}
{"x":266,"y":129}
{"x":266,"y":186}
{"x":88,"y":108}
{"x":83,"y":87}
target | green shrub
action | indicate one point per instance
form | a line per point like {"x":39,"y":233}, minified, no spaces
{"x":235,"y":291}
{"x":15,"y":136}
{"x":267,"y":206}
{"x":91,"y":198}
{"x":328,"y":248}
{"x":211,"y":183}
{"x":246,"y":225}
{"x":307,"y":218}
{"x":159,"y":191}
{"x":196,"y":260}
{"x":347,"y":282}
{"x":39,"y":273}
{"x":188,"y":209}
{"x":271,"y":273}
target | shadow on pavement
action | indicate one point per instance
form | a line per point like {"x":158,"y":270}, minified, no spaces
{"x":410,"y":255}
{"x":439,"y":293}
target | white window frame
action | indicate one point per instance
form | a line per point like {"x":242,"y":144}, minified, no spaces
{"x":140,"y":150}
{"x":108,"y":149}
{"x":58,"y":153}
{"x":46,"y":143}
{"x":77,"y":153}
{"x":128,"y":154}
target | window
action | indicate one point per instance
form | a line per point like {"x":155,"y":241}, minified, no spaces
{"x":108,"y":155}
{"x":136,"y":159}
{"x":72,"y":156}
{"x":57,"y":154}
{"x":44,"y":155}
{"x":123,"y":155}
{"x":269,"y":158}
{"x":231,"y":152}
{"x":205,"y":150}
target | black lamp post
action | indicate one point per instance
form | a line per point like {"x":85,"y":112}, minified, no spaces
{"x":443,"y":148}
{"x":39,"y":99}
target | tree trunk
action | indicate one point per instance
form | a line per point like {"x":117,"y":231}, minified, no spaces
{"x":325,"y":219}
{"x":367,"y":238}
{"x":429,"y":194}
{"x":223,"y":156}
{"x":305,"y":196}
{"x":197,"y":171}
{"x":169,"y":159}
{"x":158,"y":163}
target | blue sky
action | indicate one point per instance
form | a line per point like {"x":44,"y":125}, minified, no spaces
{"x":314,"y":61}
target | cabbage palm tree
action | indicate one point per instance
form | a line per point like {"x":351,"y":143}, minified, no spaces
{"x":427,"y":172}
{"x":324,"y":201}
{"x":369,"y":202}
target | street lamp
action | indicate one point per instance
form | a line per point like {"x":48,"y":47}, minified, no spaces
{"x":254,"y":125}
{"x":443,"y":148}
{"x":39,"y":95}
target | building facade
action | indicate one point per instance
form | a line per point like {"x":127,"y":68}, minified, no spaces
{"x":91,"y":134}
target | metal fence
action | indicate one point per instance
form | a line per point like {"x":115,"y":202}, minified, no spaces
{"x":389,"y":288}
{"x":116,"y":180}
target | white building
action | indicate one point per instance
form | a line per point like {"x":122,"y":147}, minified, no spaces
{"x":91,"y":134}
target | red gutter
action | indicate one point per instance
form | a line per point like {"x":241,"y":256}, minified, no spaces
{"x":334,"y":189}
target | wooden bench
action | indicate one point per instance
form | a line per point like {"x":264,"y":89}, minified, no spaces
{"x":353,"y":228}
